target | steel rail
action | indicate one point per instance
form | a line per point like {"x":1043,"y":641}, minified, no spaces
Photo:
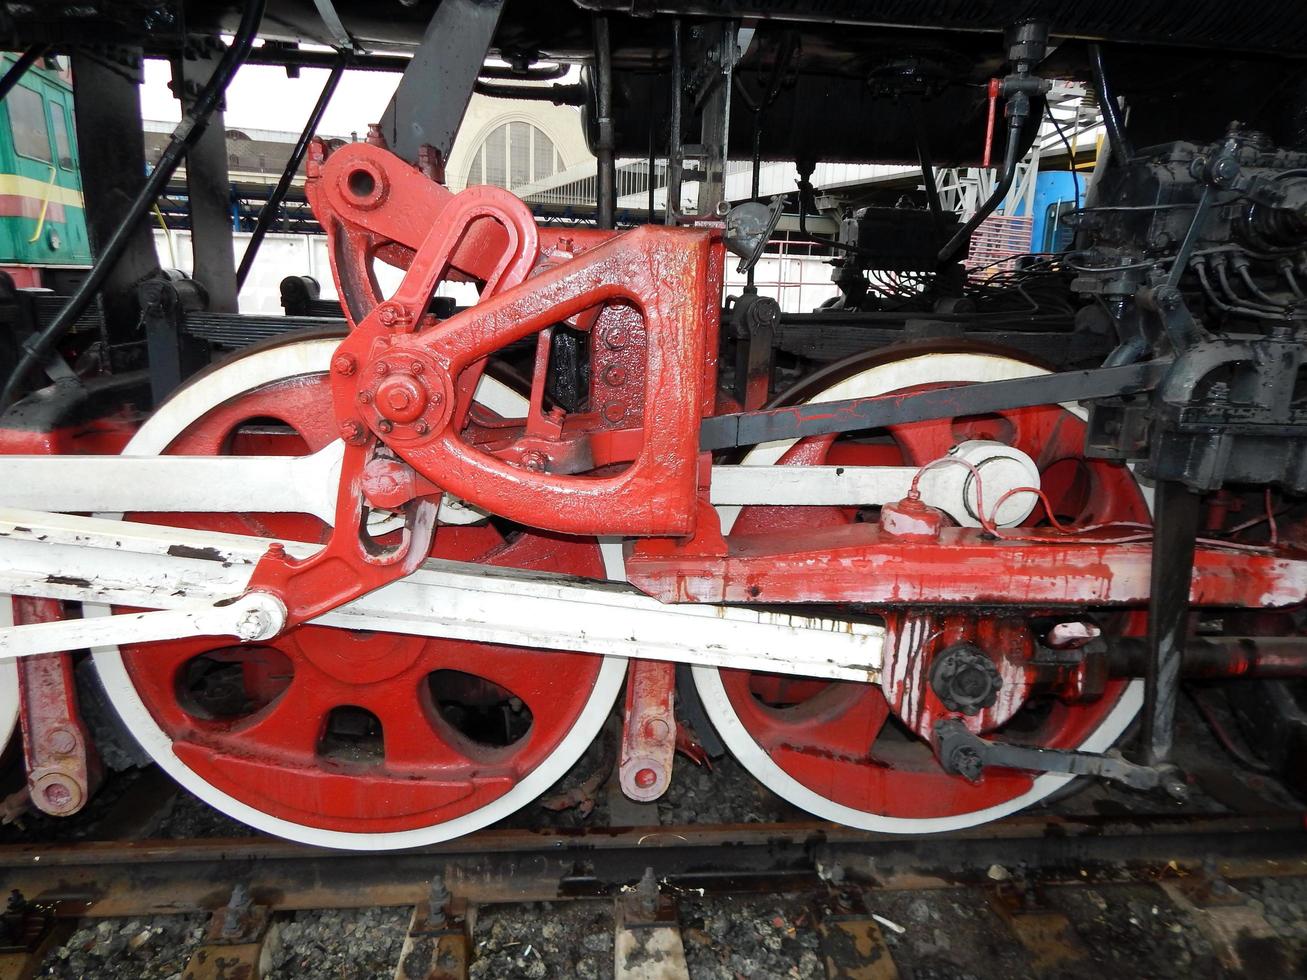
{"x":109,"y":878}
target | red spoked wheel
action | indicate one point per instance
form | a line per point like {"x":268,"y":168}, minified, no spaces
{"x":343,"y":738}
{"x":836,"y":748}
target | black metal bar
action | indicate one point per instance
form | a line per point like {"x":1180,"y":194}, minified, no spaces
{"x":37,"y":350}
{"x":674,"y":160}
{"x":1176,"y":514}
{"x":755,"y":177}
{"x":928,"y":170}
{"x":19,"y":68}
{"x":649,"y":176}
{"x":431,"y":100}
{"x":107,"y":100}
{"x":855,"y":414}
{"x":268,"y":213}
{"x":286,"y":56}
{"x":605,"y":162}
{"x":208,"y":189}
{"x":1117,"y":142}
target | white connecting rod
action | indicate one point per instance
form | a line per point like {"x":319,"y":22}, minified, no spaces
{"x":254,"y":616}
{"x":143,"y":566}
{"x":308,"y":484}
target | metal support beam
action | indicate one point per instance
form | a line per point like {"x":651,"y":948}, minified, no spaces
{"x":675,"y":146}
{"x":606,"y":167}
{"x":208,"y":188}
{"x":1177,"y":511}
{"x":722,"y":52}
{"x":432,"y":97}
{"x":107,"y":99}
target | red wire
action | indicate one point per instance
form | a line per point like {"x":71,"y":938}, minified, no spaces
{"x":987,"y":522}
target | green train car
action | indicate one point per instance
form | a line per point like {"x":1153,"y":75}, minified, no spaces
{"x":42,"y":216}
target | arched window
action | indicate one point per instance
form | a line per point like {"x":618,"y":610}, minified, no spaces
{"x":513,"y":155}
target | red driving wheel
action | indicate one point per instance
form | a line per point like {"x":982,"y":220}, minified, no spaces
{"x":355,"y":738}
{"x":835,"y":746}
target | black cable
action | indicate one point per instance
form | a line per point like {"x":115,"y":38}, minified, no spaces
{"x":38,"y":349}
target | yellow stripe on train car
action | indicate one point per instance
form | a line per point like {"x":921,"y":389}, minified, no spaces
{"x":40,"y":190}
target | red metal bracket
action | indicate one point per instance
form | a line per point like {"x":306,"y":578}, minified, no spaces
{"x":648,"y":730}
{"x":63,"y":770}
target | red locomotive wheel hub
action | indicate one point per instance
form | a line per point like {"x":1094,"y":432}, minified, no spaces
{"x":347,"y":731}
{"x":840,"y":740}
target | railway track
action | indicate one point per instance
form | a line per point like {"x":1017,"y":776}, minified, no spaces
{"x":643,"y":877}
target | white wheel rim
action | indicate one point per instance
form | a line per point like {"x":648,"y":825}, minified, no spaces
{"x":8,"y":680}
{"x":244,"y":374}
{"x":878,"y":380}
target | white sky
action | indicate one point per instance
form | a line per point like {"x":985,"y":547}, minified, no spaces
{"x":262,"y":97}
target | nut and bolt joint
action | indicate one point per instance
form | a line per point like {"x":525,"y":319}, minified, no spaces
{"x":351,"y":431}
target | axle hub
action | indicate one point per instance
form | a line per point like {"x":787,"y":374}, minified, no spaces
{"x":965,"y":679}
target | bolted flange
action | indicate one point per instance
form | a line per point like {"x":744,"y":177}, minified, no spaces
{"x":404,"y":395}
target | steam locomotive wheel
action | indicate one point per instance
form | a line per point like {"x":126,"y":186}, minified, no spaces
{"x":341,"y":738}
{"x":836,"y":749}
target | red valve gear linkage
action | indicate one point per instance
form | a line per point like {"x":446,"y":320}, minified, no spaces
{"x":403,"y":379}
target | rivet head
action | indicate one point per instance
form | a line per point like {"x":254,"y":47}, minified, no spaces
{"x":401,"y":398}
{"x":62,"y":741}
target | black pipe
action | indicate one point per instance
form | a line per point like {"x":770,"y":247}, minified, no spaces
{"x":19,"y":68}
{"x":38,"y":349}
{"x":532,"y":73}
{"x":557,"y":94}
{"x":282,"y":56}
{"x":606,"y":165}
{"x":1116,"y":138}
{"x":1214,"y":657}
{"x":268,"y":213}
{"x":1011,"y":157}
